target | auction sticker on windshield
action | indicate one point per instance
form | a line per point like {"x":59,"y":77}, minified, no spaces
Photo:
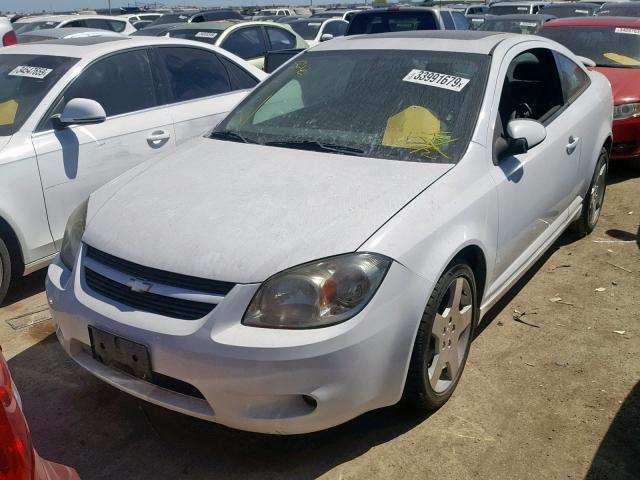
{"x":439,"y":80}
{"x":31,"y":72}
{"x":206,"y":34}
{"x":630,"y":31}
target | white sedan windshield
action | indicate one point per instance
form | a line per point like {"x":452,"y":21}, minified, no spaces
{"x":412,"y":105}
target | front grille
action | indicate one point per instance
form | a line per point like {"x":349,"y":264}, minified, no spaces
{"x":145,"y":301}
{"x":154,"y":275}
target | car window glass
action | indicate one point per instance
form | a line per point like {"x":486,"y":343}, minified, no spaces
{"x":447,"y":20}
{"x":198,"y":19}
{"x":75,"y":23}
{"x":193,"y":73}
{"x":365,"y":23}
{"x":245,"y":43}
{"x":116,"y":26}
{"x":531,"y":88}
{"x":280,"y":39}
{"x":574,"y":80}
{"x":336,"y":29}
{"x":239,"y":77}
{"x":460,"y":21}
{"x":121,"y":83}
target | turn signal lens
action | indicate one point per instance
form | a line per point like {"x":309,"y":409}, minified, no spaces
{"x":629,"y":110}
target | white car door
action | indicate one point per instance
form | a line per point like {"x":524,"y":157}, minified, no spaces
{"x":200,"y":88}
{"x":534,"y":188}
{"x":77,"y":160}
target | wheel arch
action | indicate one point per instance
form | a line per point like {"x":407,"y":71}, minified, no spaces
{"x":474,"y":256}
{"x":10,"y":238}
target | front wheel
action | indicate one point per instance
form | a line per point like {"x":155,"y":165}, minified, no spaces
{"x":593,"y":201}
{"x":5,"y":270}
{"x":443,"y":340}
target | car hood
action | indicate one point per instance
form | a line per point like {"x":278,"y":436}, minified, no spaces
{"x":4,"y":141}
{"x":240,"y":213}
{"x":624,"y":83}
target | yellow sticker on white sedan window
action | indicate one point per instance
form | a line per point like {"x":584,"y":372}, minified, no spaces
{"x":630,"y":31}
{"x":31,"y":72}
{"x":434,"y":79}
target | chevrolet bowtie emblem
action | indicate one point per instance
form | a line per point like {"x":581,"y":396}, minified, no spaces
{"x":139,"y":286}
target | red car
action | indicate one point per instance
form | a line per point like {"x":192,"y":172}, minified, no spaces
{"x":18,"y":459}
{"x":613,"y":43}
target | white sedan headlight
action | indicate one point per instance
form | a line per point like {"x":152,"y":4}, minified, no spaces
{"x":73,"y":234}
{"x":317,"y":294}
{"x":629,"y":110}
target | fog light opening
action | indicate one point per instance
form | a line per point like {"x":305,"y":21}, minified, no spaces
{"x":309,"y":400}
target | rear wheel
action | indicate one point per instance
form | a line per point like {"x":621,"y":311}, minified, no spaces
{"x":5,"y":270}
{"x":443,"y":340}
{"x":593,"y":201}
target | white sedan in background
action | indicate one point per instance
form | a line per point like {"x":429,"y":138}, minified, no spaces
{"x":76,"y":113}
{"x":102,"y":22}
{"x":333,"y":244}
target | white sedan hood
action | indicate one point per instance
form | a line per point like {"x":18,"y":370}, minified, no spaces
{"x":240,"y":213}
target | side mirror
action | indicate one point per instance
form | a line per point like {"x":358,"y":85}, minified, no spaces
{"x":521,"y":136}
{"x":325,"y":37}
{"x":80,"y":111}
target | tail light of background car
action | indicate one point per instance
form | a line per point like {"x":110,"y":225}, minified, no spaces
{"x":16,"y":452}
{"x":9,"y":39}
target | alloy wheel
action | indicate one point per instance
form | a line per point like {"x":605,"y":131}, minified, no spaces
{"x":597,"y":194}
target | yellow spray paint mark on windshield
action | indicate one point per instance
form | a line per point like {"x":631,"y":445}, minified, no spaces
{"x":301,"y":68}
{"x":412,"y":123}
{"x":8,"y":112}
{"x":621,"y":59}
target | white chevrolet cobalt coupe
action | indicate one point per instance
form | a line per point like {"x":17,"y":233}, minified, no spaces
{"x":333,"y":244}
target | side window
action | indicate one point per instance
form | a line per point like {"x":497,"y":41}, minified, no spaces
{"x":116,"y":26}
{"x":531,"y":88}
{"x":98,"y":23}
{"x":192,"y":73}
{"x":246,"y":43}
{"x":447,"y":20}
{"x":239,"y":77}
{"x":75,"y":23}
{"x":121,"y":83}
{"x":336,"y":28}
{"x":280,"y":39}
{"x":198,"y":19}
{"x":574,"y":80}
{"x":460,"y":21}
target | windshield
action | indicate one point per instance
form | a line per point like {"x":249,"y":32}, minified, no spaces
{"x":510,"y":26}
{"x":24,"y":81}
{"x":307,"y":30}
{"x":508,"y":9}
{"x":391,"y":22}
{"x":607,"y":46}
{"x":206,"y":36}
{"x":33,"y":26}
{"x":562,"y":11}
{"x":171,"y":18}
{"x":416,"y":106}
{"x":619,"y":11}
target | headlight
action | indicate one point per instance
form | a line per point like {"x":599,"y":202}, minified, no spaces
{"x":629,"y":110}
{"x":317,"y":294}
{"x":73,"y":234}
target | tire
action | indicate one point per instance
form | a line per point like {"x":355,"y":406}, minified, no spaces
{"x":432,"y":377}
{"x":594,"y":199}
{"x":5,"y":270}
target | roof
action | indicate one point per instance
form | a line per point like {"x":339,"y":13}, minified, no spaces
{"x":223,"y":24}
{"x":519,"y":4}
{"x":571,"y":5}
{"x":64,"y":18}
{"x":66,"y":31}
{"x":524,"y":17}
{"x":89,"y":47}
{"x":604,"y":21}
{"x":468,"y":41}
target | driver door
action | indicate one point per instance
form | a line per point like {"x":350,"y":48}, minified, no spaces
{"x":535,"y":188}
{"x":77,"y":160}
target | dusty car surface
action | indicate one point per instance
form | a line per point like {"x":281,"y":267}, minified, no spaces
{"x":332,"y":246}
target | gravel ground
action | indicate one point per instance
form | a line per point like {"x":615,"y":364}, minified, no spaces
{"x":551,"y":389}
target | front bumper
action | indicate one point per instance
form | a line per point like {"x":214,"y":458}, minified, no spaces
{"x":251,"y":378}
{"x":626,"y":139}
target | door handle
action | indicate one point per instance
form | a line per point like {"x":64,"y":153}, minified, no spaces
{"x":573,"y":143}
{"x":158,"y":138}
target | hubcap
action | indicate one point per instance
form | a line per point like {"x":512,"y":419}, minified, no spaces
{"x":597,"y":195}
{"x":450,"y":335}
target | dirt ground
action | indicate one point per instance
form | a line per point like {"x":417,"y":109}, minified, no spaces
{"x":554,"y":394}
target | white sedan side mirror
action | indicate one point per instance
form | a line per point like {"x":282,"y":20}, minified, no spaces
{"x":531,"y":131}
{"x":325,"y":37}
{"x":81,"y":111}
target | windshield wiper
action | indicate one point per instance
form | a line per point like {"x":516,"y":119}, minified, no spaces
{"x":317,"y":146}
{"x":231,"y":136}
